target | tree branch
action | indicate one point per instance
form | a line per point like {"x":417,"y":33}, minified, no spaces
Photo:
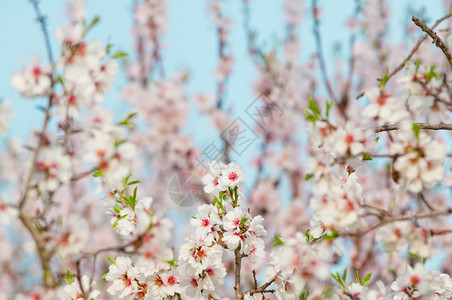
{"x":436,"y":39}
{"x":431,"y":214}
{"x":425,"y":126}
{"x":318,"y":43}
{"x":416,"y":47}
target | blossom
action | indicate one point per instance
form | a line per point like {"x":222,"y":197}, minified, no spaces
{"x":73,"y":291}
{"x":244,"y":231}
{"x":164,"y":284}
{"x":33,"y":81}
{"x":211,"y":179}
{"x":383,"y":108}
{"x":207,"y":221}
{"x":232,"y":175}
{"x":124,"y":277}
{"x":422,"y":284}
{"x":419,"y":161}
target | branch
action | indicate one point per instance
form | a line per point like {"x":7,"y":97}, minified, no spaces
{"x":318,"y":43}
{"x":238,"y":266}
{"x":436,"y":39}
{"x":431,"y":214}
{"x":425,"y":126}
{"x":416,"y":47}
{"x":44,"y":255}
{"x":42,"y":21}
{"x":262,"y":288}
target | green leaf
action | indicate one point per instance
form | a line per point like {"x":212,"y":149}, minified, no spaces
{"x":416,"y":129}
{"x":105,"y":275}
{"x":243,"y":221}
{"x":377,"y":139}
{"x":117,"y":209}
{"x":127,"y":119}
{"x":117,"y":221}
{"x":91,"y":25}
{"x":308,"y":176}
{"x":108,"y":48}
{"x":119,"y":54}
{"x":367,"y":157}
{"x":119,"y":142}
{"x":308,"y":235}
{"x":344,"y":275}
{"x":171,"y":262}
{"x":313,"y":107}
{"x":126,"y":180}
{"x":98,"y":173}
{"x":357,"y":277}
{"x":69,"y":276}
{"x":414,"y":255}
{"x":417,"y":64}
{"x":329,"y":105}
{"x":278,"y":241}
{"x":431,"y":74}
{"x":367,"y":279}
{"x":60,"y":80}
{"x":134,"y":182}
{"x":111,"y":260}
{"x":384,"y":80}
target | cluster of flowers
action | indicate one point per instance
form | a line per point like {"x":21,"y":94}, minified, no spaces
{"x":337,"y":197}
{"x":151,"y":270}
{"x":395,"y":237}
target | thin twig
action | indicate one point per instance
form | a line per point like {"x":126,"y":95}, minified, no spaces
{"x":436,"y":39}
{"x":431,"y":214}
{"x":416,"y":47}
{"x":425,"y":126}
{"x":318,"y":43}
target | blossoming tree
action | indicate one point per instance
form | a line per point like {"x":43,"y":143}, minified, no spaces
{"x":363,"y":159}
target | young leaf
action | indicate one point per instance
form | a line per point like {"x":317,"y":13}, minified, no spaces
{"x":329,"y":105}
{"x":416,"y":129}
{"x":91,"y":25}
{"x":278,"y":241}
{"x":313,"y":107}
{"x":367,"y":279}
{"x":134,"y":182}
{"x":344,"y":275}
{"x":111,"y":260}
{"x":119,"y":54}
{"x":384,"y":80}
{"x":357,"y":277}
{"x":308,"y":176}
{"x":367,"y":157}
{"x":69,"y":276}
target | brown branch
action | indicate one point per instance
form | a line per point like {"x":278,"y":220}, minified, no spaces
{"x":436,"y":39}
{"x":425,"y":126}
{"x":263,"y":288}
{"x":44,"y":255}
{"x":42,"y":21}
{"x":431,"y":214}
{"x":318,"y":43}
{"x":238,"y":266}
{"x":416,"y":47}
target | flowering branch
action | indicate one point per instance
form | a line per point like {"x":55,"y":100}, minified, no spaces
{"x":436,"y":39}
{"x":425,"y":126}
{"x":416,"y":47}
